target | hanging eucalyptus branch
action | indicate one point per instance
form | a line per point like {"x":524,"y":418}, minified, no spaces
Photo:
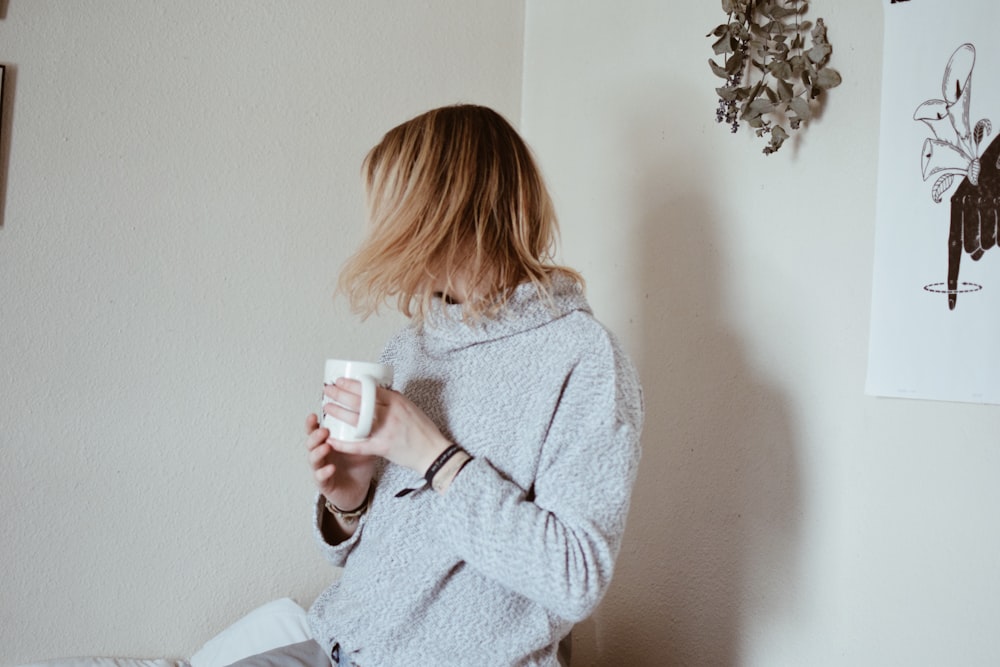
{"x":772,"y":75}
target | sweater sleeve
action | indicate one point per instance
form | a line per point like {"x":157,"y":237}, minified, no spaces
{"x":556,"y":543}
{"x":336,"y":554}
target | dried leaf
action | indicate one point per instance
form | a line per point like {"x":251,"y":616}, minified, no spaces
{"x":819,"y":53}
{"x":800,"y":107}
{"x":780,"y":69}
{"x":783,"y":89}
{"x":760,"y":107}
{"x":778,"y":136}
{"x":828,"y":78}
{"x":727,"y":93}
{"x":819,"y":33}
{"x":734,"y":64}
{"x":719,"y":72}
{"x":724,"y":44}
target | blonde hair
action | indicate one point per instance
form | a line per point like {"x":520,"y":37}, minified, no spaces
{"x":455,"y":188}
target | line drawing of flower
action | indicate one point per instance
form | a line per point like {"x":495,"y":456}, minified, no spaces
{"x":955,"y":149}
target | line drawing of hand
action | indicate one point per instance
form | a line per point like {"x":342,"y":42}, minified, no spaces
{"x":975,"y":220}
{"x":953,"y":153}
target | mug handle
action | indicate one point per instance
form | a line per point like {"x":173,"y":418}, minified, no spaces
{"x":367,"y":413}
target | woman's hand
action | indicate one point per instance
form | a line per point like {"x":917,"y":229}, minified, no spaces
{"x":401,"y":432}
{"x":342,"y":478}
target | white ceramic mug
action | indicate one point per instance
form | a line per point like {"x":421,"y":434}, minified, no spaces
{"x":370,"y":375}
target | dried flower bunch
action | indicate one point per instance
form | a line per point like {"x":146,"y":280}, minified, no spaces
{"x":772,"y":75}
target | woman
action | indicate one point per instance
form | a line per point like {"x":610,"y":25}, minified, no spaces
{"x":483,"y":516}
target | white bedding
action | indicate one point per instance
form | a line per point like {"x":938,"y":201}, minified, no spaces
{"x":108,"y":662}
{"x":278,"y":623}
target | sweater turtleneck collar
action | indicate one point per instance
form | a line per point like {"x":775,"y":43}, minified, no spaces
{"x":526,"y":308}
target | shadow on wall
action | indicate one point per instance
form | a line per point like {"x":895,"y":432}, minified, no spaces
{"x":713,"y":531}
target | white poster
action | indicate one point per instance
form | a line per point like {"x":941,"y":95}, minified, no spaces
{"x":935,"y":325}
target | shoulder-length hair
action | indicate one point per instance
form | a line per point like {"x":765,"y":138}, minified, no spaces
{"x":453,"y":190}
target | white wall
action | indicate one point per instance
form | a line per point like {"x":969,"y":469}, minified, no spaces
{"x":781,"y":516}
{"x":182,"y":185}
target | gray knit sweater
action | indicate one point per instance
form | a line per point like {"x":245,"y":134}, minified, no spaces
{"x":523,"y":543}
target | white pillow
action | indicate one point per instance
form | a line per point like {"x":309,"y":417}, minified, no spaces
{"x":271,"y":626}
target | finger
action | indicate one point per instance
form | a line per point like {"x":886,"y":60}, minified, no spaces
{"x":350,"y":447}
{"x":383,"y":395}
{"x":988,"y":231}
{"x":312,"y":423}
{"x":349,"y":385}
{"x":344,"y":392}
{"x":317,"y":437}
{"x":970,"y":231}
{"x":325,"y":473}
{"x":317,"y":454}
{"x":340,"y":413}
{"x":954,"y":252}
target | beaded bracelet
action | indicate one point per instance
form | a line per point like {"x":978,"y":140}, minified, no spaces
{"x":351,"y":516}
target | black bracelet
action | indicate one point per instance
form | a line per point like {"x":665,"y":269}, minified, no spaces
{"x":440,"y":461}
{"x":351,"y":516}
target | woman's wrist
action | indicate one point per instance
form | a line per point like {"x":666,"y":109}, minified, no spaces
{"x":350,"y":493}
{"x":450,"y":471}
{"x":350,"y":513}
{"x":446,"y":467}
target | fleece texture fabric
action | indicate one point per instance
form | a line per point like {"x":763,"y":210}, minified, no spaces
{"x":523,"y":543}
